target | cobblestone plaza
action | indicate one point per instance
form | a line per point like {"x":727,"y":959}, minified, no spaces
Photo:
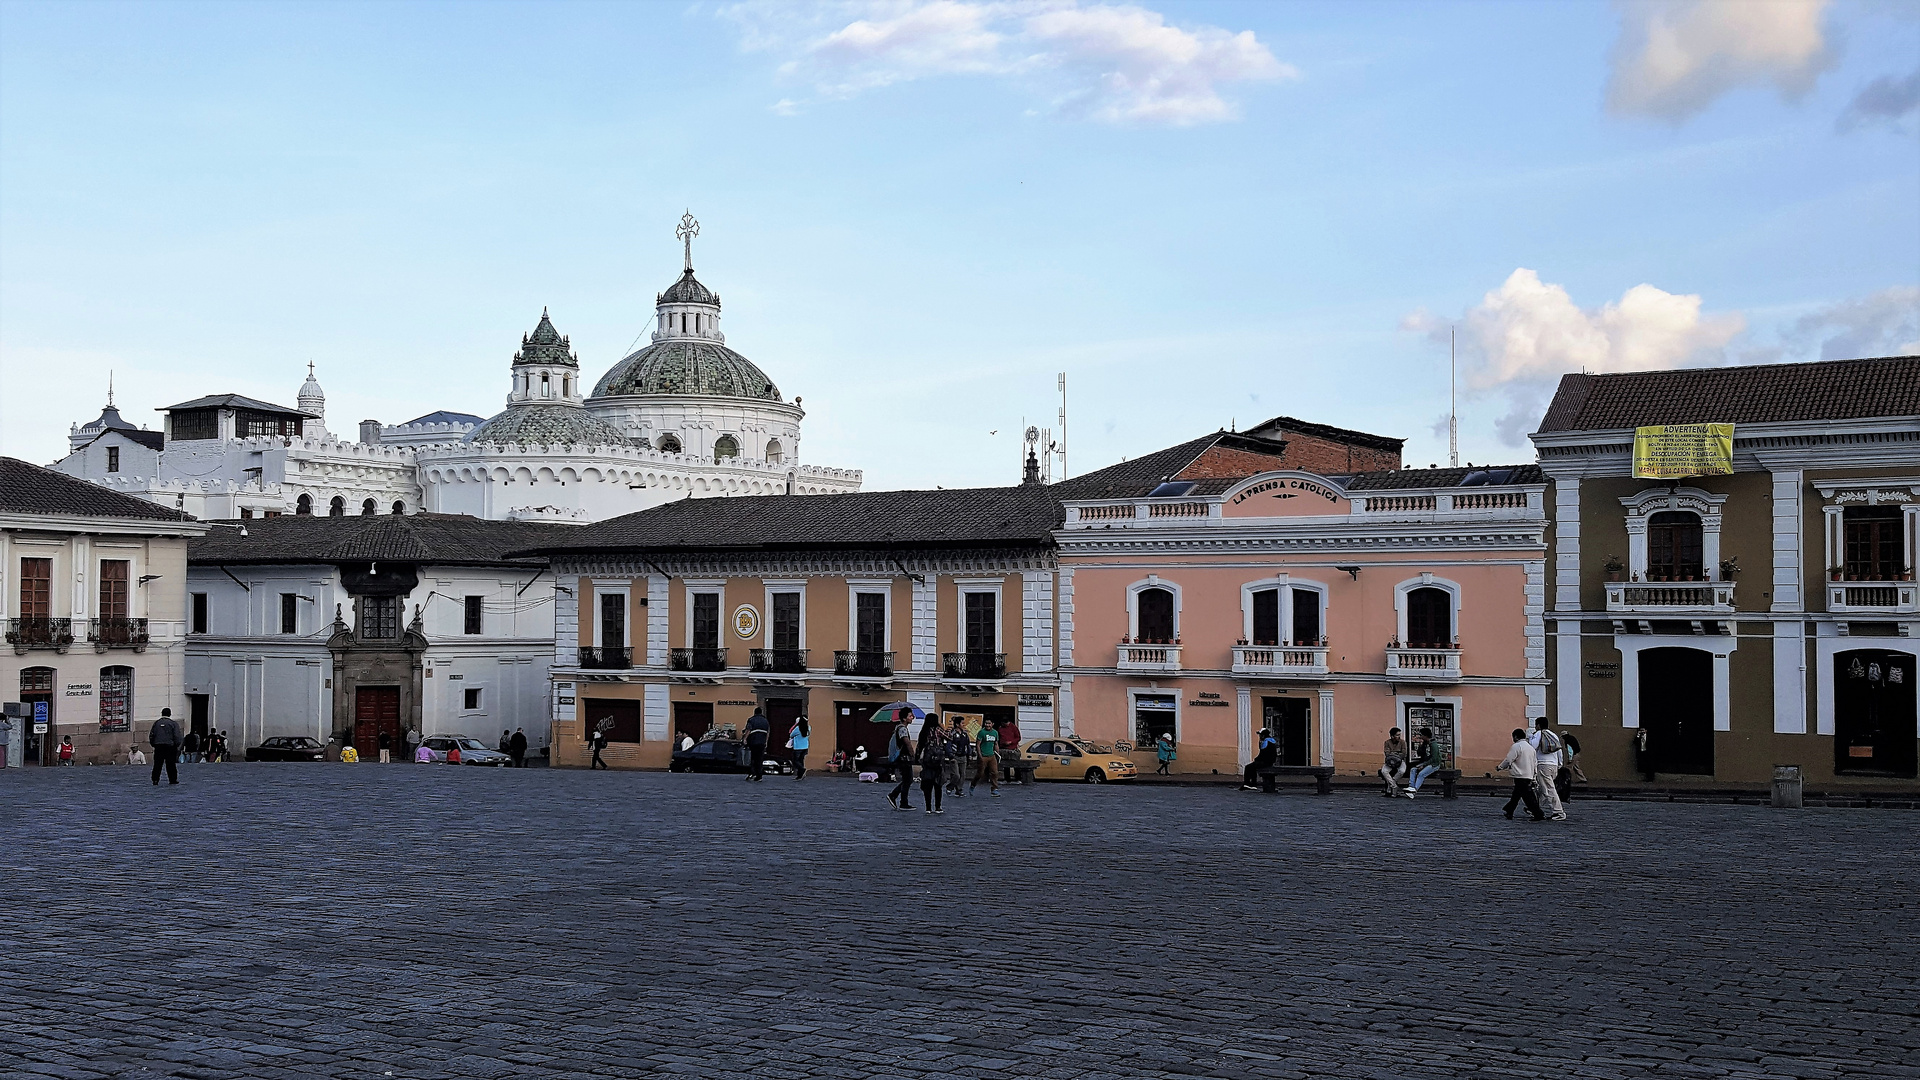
{"x":367,"y":921}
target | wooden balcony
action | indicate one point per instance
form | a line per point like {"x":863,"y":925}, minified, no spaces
{"x":1284,"y":661}
{"x":1159,"y":659}
{"x":1423,"y":663}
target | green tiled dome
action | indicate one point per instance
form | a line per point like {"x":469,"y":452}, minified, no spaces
{"x":687,"y":366}
{"x":568,"y":425}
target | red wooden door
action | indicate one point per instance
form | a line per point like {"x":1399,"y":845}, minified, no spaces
{"x":375,"y":709}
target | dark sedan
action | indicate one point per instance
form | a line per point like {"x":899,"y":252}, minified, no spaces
{"x":721,"y":755}
{"x":287,"y":748}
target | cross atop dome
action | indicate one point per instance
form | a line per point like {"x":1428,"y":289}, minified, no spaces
{"x":685,"y":232}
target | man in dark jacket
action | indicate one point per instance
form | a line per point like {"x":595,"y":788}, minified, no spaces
{"x":758,"y":730}
{"x":165,"y":740}
{"x":517,"y":748}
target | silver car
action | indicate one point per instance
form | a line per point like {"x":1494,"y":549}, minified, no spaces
{"x":472,"y":750}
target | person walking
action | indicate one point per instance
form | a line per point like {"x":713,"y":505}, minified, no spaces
{"x":759,"y":729}
{"x":517,"y":748}
{"x":190,"y":748}
{"x":989,"y":750}
{"x":1269,"y":750}
{"x":936,"y":750}
{"x":1427,"y":760}
{"x":1393,"y":762}
{"x":385,"y":745}
{"x":1643,"y":755}
{"x":66,"y":749}
{"x":1519,"y":764}
{"x":960,"y":751}
{"x":506,"y":742}
{"x":1163,"y":749}
{"x":900,"y":758}
{"x":1573,"y":762}
{"x":1546,"y":763}
{"x":164,"y":737}
{"x":797,"y":742}
{"x":599,"y":742}
{"x":220,"y":745}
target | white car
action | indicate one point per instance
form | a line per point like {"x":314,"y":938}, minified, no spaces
{"x":472,"y":750}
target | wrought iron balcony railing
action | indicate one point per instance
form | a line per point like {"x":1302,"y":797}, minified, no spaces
{"x":698,"y":659}
{"x":39,"y":633}
{"x":777,"y":661}
{"x":607,"y":659}
{"x":863,"y":663}
{"x":118,"y":633}
{"x":974,"y":665}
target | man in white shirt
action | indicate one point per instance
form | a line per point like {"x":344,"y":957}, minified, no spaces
{"x":1519,"y":764}
{"x":1548,"y":750}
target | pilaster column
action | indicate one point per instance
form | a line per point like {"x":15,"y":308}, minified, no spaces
{"x":1326,"y":728}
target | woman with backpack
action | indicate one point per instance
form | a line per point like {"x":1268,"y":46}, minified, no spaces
{"x":936,"y":749}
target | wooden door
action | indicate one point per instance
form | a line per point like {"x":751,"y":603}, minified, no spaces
{"x":1288,"y":719}
{"x":692,"y":719}
{"x":376,"y":709}
{"x":1873,"y":711}
{"x":854,"y":727}
{"x":1676,"y":708}
{"x":781,"y":713}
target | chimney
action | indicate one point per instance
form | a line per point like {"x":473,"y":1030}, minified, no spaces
{"x":370,"y":432}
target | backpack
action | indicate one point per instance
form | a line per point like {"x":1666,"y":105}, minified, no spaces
{"x":1549,"y":742}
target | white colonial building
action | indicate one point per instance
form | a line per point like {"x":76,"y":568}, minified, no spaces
{"x":684,"y":416}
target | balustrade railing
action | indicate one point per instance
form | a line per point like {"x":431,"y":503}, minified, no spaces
{"x":1280,"y":659}
{"x":1420,"y":662}
{"x":1147,"y":657}
{"x":1666,"y":596}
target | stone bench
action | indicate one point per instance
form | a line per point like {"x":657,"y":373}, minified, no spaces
{"x":1322,"y":777}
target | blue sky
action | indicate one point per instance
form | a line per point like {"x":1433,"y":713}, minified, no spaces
{"x":916,"y":214}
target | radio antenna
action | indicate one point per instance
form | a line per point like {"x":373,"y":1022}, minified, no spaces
{"x":1453,"y":407}
{"x":1063,"y":425}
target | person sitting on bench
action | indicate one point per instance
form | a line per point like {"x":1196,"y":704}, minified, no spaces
{"x":1269,"y":749}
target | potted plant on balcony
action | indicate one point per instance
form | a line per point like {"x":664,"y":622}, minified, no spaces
{"x":1834,"y":572}
{"x":1729,"y":568}
{"x":1906,"y":573}
{"x":1615,"y":568}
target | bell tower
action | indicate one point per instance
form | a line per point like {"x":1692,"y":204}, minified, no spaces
{"x":545,"y":371}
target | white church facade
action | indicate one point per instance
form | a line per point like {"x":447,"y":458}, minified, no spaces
{"x":685,"y":416}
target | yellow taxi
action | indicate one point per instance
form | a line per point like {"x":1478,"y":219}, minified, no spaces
{"x":1070,"y":758}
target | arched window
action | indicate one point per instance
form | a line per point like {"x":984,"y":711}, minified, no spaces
{"x":1155,"y":608}
{"x":546,"y":385}
{"x":726,"y":446}
{"x":669,"y":444}
{"x":1429,"y":618}
{"x":369,"y":508}
{"x":304,"y":505}
{"x":116,"y":698}
{"x":337,"y":507}
{"x":775,"y":452}
{"x":1674,"y":547}
{"x":399,"y":507}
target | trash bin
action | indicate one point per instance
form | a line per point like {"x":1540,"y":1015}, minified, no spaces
{"x":1786,"y":786}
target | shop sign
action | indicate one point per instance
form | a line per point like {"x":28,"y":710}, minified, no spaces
{"x":746,"y":621}
{"x":79,"y":689}
{"x":1677,"y":451}
{"x":1603,"y":671}
{"x":748,"y":704}
{"x":1298,"y":486}
{"x":1209,"y":699}
{"x":1037,"y":701}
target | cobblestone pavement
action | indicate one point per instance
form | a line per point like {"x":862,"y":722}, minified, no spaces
{"x":404,"y":921}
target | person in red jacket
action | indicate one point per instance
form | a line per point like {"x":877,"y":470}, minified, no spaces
{"x":66,"y":749}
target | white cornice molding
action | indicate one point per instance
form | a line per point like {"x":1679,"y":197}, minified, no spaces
{"x":74,"y":523}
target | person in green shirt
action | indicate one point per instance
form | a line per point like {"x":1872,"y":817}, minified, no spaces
{"x":989,"y":742}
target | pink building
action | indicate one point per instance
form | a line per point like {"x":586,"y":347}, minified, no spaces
{"x":1213,"y":594}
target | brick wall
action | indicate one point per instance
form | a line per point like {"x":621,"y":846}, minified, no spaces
{"x":1326,"y":456}
{"x":1221,"y":463}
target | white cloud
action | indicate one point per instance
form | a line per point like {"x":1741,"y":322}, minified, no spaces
{"x":1675,"y":57}
{"x":1886,"y":100}
{"x":1116,"y":63}
{"x":1523,"y":336}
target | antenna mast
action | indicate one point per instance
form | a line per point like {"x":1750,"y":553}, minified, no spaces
{"x":1453,"y":407}
{"x":1063,"y":425}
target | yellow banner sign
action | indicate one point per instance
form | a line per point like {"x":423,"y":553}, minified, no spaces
{"x":1676,"y":451}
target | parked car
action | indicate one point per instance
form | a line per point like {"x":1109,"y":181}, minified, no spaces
{"x":721,"y":755}
{"x":287,"y":748}
{"x":472,"y":750}
{"x":1077,"y":759}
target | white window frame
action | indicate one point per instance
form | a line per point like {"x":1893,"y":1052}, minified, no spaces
{"x":1179,"y":712}
{"x":1426,"y":580}
{"x":856,"y":586}
{"x":766,"y":627}
{"x":1286,"y":585}
{"x":1643,"y":504}
{"x":962,"y":587}
{"x":692,"y":588}
{"x":621,"y":588}
{"x":479,"y":711}
{"x":1719,"y":650}
{"x":1151,"y":581}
